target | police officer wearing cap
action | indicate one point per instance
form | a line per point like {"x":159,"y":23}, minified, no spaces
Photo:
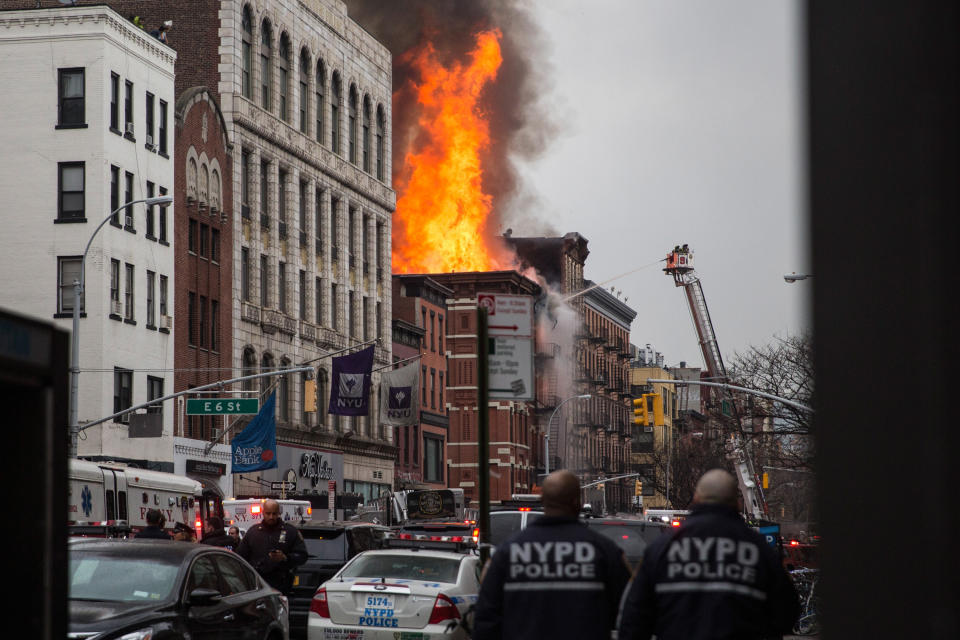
{"x":556,"y":578}
{"x":715,"y":577}
{"x":274,"y":548}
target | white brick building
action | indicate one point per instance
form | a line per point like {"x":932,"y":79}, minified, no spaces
{"x":87,"y":105}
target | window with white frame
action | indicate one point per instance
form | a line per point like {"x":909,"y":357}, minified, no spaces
{"x":68,"y":272}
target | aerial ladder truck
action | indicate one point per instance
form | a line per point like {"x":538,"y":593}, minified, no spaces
{"x":680,"y":266}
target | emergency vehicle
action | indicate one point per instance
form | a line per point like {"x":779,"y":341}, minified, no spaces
{"x":248,"y":512}
{"x":113,"y":494}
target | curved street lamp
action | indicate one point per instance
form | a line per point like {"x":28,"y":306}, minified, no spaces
{"x":546,"y":435}
{"x":78,"y":288}
{"x":793,"y":277}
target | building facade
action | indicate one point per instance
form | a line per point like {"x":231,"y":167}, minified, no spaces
{"x":89,"y":128}
{"x":422,"y":448}
{"x":512,"y":431}
{"x":654,"y":447}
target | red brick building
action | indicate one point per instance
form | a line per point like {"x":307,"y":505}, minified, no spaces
{"x":420,"y":303}
{"x":203,"y":238}
{"x":512,"y":433}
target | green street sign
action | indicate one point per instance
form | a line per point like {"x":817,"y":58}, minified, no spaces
{"x":222,"y":406}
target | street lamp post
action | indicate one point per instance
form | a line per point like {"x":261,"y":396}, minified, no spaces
{"x":546,"y":435}
{"x":793,"y":277}
{"x":78,"y":289}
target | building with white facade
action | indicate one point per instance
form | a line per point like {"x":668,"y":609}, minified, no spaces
{"x":87,"y":105}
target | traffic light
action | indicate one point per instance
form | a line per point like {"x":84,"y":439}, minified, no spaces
{"x":657,"y":409}
{"x":309,"y":396}
{"x":637,"y":488}
{"x":766,"y":480}
{"x":640,"y":414}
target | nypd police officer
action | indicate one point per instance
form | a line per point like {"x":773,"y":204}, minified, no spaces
{"x":555,"y":579}
{"x":274,"y":548}
{"x":715,"y":577}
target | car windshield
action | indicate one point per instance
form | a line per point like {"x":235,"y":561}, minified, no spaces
{"x":409,"y":567}
{"x":503,"y":525}
{"x":325,"y":544}
{"x":113,"y":578}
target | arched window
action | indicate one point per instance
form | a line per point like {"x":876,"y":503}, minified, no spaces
{"x":381,"y":136}
{"x":352,"y":125}
{"x":266,"y":366}
{"x":366,"y":134}
{"x":246,"y":53}
{"x":266,"y":60}
{"x":321,"y":81}
{"x":285,"y":77}
{"x":214,"y":190}
{"x":335,"y":98}
{"x":249,"y":367}
{"x":204,"y":185}
{"x":191,"y":180}
{"x":304,"y":86}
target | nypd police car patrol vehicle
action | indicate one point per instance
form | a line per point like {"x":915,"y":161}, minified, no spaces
{"x":417,"y":588}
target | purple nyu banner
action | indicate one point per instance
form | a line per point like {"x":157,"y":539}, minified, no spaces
{"x":350,"y":390}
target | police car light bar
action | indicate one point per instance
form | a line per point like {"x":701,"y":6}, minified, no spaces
{"x":437,"y":543}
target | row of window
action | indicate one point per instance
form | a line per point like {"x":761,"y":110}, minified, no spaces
{"x":203,"y":322}
{"x":433,"y":389}
{"x":360,"y":149}
{"x":203,"y":240}
{"x":123,"y":392}
{"x":408,"y":439}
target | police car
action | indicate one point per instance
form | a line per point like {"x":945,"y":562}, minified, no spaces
{"x":417,"y":588}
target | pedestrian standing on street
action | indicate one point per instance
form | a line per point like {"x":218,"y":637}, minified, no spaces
{"x":234,"y":532}
{"x":213,"y":534}
{"x":154,"y":528}
{"x":555,"y":579}
{"x":274,"y":548}
{"x":714,"y":577}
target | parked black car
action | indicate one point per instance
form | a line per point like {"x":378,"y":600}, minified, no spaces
{"x":140,"y":588}
{"x":330,"y":545}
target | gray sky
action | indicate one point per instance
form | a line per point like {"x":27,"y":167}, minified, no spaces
{"x":681,"y":123}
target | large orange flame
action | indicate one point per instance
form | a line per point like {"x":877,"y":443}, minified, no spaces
{"x":442,"y":211}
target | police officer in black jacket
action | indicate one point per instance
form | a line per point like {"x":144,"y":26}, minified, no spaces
{"x":715,"y":577}
{"x":274,"y":548}
{"x":555,"y":579}
{"x":214,"y":536}
{"x":154,"y":528}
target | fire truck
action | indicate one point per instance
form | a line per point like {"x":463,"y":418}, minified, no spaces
{"x":107,"y":494}
{"x":247,"y":512}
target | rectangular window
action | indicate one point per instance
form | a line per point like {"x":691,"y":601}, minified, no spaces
{"x":245,"y":274}
{"x":303,"y":294}
{"x":122,"y":391}
{"x":204,"y":241}
{"x":192,"y":236}
{"x":318,"y":302}
{"x":150,"y":115}
{"x":214,"y":328}
{"x":114,"y":286}
{"x":202,"y":318}
{"x":282,"y":286}
{"x":163,"y":296}
{"x":128,"y":109}
{"x":432,"y":459}
{"x":214,"y":245}
{"x":351,"y":320}
{"x":282,"y":201}
{"x":264,"y":194}
{"x":303,"y":105}
{"x":151,"y":310}
{"x":423,"y":385}
{"x":245,"y":184}
{"x":115,"y":102}
{"x":433,"y":388}
{"x":191,"y":318}
{"x":68,"y":272}
{"x":128,"y":294}
{"x":71,"y":203}
{"x":154,"y":391}
{"x":163,"y":128}
{"x":163,"y":218}
{"x":334,"y":316}
{"x":128,"y":195}
{"x":71,"y":107}
{"x":151,"y":213}
{"x":264,"y":281}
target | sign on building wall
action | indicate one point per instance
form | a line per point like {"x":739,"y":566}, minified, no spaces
{"x":309,"y":468}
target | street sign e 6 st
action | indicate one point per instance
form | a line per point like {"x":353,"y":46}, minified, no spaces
{"x":222,"y":406}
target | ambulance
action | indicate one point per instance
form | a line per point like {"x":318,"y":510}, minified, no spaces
{"x":249,"y":511}
{"x":108,"y":494}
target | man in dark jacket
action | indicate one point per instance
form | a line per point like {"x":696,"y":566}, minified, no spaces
{"x":274,"y":548}
{"x":715,"y":577}
{"x":154,"y":528}
{"x":213,"y":533}
{"x":556,"y":579}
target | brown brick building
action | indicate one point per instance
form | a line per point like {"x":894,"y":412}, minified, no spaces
{"x":203,"y":239}
{"x":512,"y":432}
{"x":421,"y":302}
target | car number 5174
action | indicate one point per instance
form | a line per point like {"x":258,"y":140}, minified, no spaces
{"x":381,"y":602}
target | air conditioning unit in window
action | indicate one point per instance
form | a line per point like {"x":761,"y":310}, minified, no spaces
{"x":116,"y":307}
{"x":149,"y":140}
{"x":129,"y":128}
{"x":166,"y":322}
{"x":128,"y":221}
{"x":215,"y":434}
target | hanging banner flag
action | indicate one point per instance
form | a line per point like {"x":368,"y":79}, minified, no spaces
{"x":255,"y":448}
{"x":350,"y":388}
{"x":399,"y":401}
